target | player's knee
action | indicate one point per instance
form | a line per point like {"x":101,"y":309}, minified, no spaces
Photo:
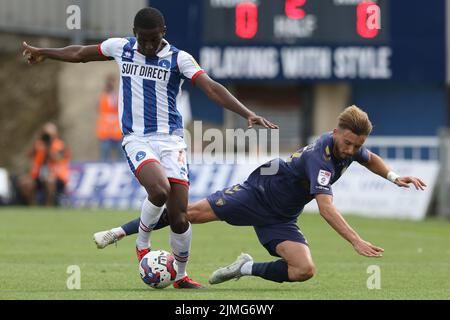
{"x":159,"y":194}
{"x":179,"y":224}
{"x":302,"y":273}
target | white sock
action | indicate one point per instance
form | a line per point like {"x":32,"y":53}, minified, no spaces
{"x":181,"y":244}
{"x":246,"y":269}
{"x":119,"y":232}
{"x":149,"y":218}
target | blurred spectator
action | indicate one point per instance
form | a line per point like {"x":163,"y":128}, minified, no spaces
{"x":108,"y":129}
{"x":50,"y":168}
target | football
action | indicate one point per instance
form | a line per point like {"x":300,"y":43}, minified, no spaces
{"x":157,"y":270}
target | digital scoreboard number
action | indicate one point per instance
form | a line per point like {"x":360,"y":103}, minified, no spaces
{"x":268,"y":22}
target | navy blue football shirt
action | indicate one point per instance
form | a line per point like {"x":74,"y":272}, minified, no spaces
{"x":309,"y":171}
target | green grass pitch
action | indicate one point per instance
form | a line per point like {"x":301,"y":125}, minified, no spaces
{"x":38,"y":244}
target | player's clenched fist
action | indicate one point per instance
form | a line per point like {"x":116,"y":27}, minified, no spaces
{"x":32,"y":54}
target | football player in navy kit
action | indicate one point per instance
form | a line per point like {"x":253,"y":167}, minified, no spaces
{"x":272,"y":203}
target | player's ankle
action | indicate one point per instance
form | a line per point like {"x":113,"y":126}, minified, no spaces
{"x":246,"y":269}
{"x":141,"y":246}
{"x":180,"y":276}
{"x":119,"y":232}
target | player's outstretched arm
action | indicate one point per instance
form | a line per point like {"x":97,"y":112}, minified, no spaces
{"x":220,"y":95}
{"x":73,"y":53}
{"x":377,"y":165}
{"x":330,"y":213}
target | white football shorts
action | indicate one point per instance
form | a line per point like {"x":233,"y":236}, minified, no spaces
{"x":167,"y":150}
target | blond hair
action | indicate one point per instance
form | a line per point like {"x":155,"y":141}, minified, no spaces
{"x":355,"y":120}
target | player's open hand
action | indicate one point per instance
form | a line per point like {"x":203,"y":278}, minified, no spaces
{"x":255,"y":119}
{"x":367,"y":249}
{"x":32,"y":54}
{"x":406,"y":181}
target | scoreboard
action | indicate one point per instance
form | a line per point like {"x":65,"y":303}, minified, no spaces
{"x":296,"y":39}
{"x":312,"y":40}
{"x":294,"y":21}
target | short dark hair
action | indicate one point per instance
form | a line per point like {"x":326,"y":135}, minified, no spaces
{"x":149,"y":18}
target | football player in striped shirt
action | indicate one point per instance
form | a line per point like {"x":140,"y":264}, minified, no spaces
{"x":152,"y":72}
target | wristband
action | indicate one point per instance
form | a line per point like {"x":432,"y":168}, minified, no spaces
{"x":391,"y":176}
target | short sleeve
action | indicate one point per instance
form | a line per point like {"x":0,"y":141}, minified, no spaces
{"x":362,"y":156}
{"x":188,"y":67}
{"x":110,"y":47}
{"x":320,"y":174}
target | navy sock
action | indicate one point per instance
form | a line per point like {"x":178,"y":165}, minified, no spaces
{"x":274,"y":271}
{"x":131,"y":227}
{"x":163,"y":220}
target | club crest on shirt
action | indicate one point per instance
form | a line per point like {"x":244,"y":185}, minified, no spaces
{"x":164,"y":63}
{"x":220,"y":202}
{"x":324,"y":177}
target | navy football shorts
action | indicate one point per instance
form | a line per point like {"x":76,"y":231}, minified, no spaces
{"x":240,"y":206}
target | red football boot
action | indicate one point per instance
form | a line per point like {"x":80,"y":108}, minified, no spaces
{"x":187,"y":283}
{"x":141,"y":253}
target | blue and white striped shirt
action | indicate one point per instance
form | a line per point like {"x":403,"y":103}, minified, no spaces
{"x":150,"y":87}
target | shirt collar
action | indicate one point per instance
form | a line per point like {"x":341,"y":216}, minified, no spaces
{"x":162,"y":52}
